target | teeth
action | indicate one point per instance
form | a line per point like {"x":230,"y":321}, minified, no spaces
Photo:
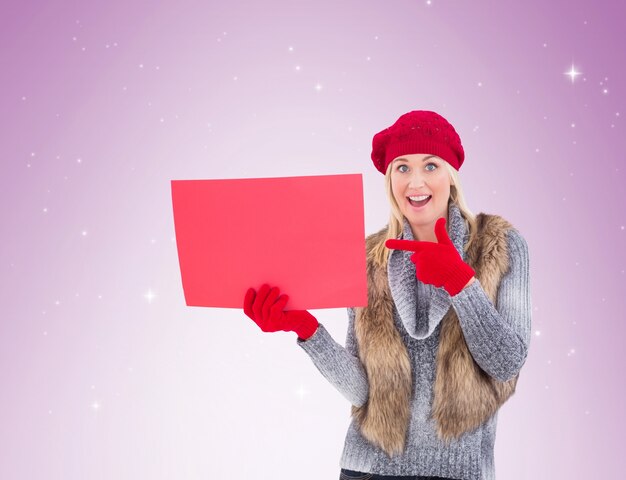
{"x":419,"y":199}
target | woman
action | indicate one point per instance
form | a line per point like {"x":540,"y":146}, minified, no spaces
{"x":438,"y":349}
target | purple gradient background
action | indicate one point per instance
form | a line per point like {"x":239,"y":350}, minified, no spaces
{"x":105,"y":373}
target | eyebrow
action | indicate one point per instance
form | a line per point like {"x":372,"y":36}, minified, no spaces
{"x":406,"y":160}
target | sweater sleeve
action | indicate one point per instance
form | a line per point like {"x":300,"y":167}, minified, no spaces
{"x":340,"y":366}
{"x":498,"y":336}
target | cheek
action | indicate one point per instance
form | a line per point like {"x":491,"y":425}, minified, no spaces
{"x":395,"y":187}
{"x":397,"y":195}
{"x":442,"y":184}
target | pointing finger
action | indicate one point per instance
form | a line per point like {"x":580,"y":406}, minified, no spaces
{"x":408,"y":245}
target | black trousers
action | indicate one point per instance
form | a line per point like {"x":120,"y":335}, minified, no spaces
{"x":353,"y":475}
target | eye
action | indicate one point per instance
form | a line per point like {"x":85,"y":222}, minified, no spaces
{"x":434,"y":165}
{"x":400,"y":166}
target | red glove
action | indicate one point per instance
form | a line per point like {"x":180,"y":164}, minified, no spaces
{"x":437,"y":263}
{"x":266,"y":309}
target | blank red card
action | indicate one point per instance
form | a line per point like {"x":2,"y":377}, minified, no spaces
{"x":304,"y":235}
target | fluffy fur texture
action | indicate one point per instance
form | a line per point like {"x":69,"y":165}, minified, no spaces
{"x":464,"y":395}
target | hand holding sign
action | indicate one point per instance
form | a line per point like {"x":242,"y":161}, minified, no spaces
{"x":437,"y":263}
{"x":266,"y":309}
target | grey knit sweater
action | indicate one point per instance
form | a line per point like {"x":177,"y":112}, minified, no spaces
{"x":497,"y":337}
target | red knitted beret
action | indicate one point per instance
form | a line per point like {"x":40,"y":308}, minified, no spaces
{"x":419,"y":131}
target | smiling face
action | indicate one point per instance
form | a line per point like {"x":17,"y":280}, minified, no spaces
{"x":417,"y":175}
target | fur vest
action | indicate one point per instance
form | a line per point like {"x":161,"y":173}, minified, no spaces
{"x":464,"y":396}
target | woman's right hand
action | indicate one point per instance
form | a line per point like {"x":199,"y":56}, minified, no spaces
{"x":266,"y":309}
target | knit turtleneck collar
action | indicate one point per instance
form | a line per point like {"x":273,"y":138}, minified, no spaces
{"x":404,"y":285}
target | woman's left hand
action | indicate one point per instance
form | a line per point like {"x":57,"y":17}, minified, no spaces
{"x":437,"y":263}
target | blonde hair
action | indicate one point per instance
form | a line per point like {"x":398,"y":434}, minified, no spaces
{"x":396,"y":220}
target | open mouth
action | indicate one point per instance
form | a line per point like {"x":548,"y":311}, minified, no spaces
{"x":420,"y":204}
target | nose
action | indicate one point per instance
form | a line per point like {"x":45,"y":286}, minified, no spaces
{"x":417,"y":180}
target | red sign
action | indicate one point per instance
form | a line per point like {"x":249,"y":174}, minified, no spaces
{"x":304,"y":235}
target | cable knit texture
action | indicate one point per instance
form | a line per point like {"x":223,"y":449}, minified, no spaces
{"x":497,"y":337}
